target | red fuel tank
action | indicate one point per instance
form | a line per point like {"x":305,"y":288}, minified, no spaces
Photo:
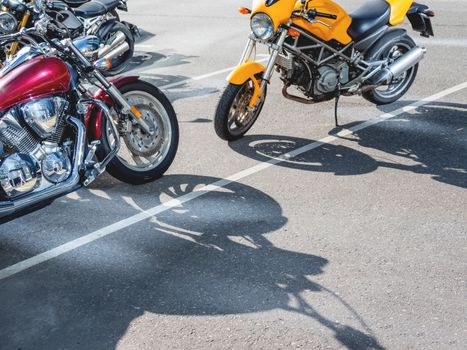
{"x":35,"y":78}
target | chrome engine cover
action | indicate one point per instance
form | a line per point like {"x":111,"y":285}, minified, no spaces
{"x":56,"y":167}
{"x":43,"y":115}
{"x":19,"y":174}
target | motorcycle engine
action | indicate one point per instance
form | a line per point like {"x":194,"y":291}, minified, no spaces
{"x":313,"y":82}
{"x":330,"y":76}
{"x":31,"y":157}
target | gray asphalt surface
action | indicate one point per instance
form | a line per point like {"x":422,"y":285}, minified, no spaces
{"x":358,"y":244}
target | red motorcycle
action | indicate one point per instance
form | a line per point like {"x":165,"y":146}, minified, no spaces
{"x":58,"y":133}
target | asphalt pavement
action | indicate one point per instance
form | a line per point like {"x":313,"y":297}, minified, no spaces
{"x":357,"y":241}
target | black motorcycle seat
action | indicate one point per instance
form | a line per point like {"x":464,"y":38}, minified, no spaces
{"x":96,"y":8}
{"x":370,"y":16}
{"x":75,"y":3}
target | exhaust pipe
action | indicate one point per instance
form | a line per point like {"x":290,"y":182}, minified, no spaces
{"x":397,"y":68}
{"x":9,"y":208}
{"x":118,"y":39}
{"x":104,"y":64}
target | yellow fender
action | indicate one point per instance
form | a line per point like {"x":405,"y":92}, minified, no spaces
{"x":245,"y":72}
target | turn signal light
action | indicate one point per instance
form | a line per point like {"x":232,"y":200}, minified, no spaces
{"x":244,"y":10}
{"x":293,"y":32}
{"x":136,"y":112}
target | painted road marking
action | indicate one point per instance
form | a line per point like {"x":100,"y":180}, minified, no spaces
{"x":201,"y":77}
{"x":106,"y":231}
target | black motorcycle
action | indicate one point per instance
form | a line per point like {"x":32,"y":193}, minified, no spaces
{"x":109,"y":42}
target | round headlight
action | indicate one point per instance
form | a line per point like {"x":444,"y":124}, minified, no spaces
{"x":262,"y":26}
{"x":8,"y":23}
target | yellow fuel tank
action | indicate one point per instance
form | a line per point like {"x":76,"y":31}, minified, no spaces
{"x":281,"y":13}
{"x":338,"y":27}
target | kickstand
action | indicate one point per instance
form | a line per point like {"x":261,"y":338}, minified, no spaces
{"x":336,"y":117}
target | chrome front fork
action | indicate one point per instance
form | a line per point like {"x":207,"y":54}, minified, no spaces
{"x":275,"y":50}
{"x":248,"y":50}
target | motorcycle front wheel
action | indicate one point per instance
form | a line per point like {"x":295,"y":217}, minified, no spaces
{"x":142,"y":158}
{"x":233,"y":116}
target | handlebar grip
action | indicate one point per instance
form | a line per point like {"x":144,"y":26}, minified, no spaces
{"x":326,"y":15}
{"x":313,"y":13}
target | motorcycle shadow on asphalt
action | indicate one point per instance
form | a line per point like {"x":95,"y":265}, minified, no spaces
{"x":433,"y":136}
{"x":431,"y":140}
{"x":143,"y":63}
{"x":207,"y":257}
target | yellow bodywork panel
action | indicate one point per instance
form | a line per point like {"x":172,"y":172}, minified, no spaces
{"x":338,"y":27}
{"x":281,"y":13}
{"x":399,"y":9}
{"x":245,"y":72}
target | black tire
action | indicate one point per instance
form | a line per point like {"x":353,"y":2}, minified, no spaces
{"x":221,"y":119}
{"x":127,"y":56}
{"x":117,"y":168}
{"x":379,"y":99}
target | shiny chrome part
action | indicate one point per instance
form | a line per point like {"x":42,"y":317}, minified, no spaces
{"x":150,"y":152}
{"x":126,"y":109}
{"x":19,"y":174}
{"x":13,"y":134}
{"x":401,"y":65}
{"x":262,"y":26}
{"x":272,"y":59}
{"x":104,"y":62}
{"x":8,"y":23}
{"x":10,"y":207}
{"x":43,"y":115}
{"x":118,"y":39}
{"x":89,"y":46}
{"x":93,"y":170}
{"x":10,"y":120}
{"x":23,"y":55}
{"x":56,"y":167}
{"x":251,"y":44}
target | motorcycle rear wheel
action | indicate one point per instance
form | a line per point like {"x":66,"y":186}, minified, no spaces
{"x":143,"y":158}
{"x":233,"y":119}
{"x":395,"y":90}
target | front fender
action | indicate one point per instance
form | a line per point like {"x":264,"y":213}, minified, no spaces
{"x":248,"y":71}
{"x":93,"y":119}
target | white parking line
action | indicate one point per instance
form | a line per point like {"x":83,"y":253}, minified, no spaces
{"x":106,"y":231}
{"x":200,"y":77}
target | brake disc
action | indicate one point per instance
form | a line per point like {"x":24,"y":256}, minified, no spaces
{"x":141,"y":143}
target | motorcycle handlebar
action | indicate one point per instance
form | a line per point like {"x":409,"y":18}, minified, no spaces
{"x":314,"y":13}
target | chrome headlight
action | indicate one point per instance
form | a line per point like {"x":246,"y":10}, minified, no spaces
{"x":262,"y":26}
{"x":8,"y":23}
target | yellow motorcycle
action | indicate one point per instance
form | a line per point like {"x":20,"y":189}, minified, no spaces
{"x":324,"y":53}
